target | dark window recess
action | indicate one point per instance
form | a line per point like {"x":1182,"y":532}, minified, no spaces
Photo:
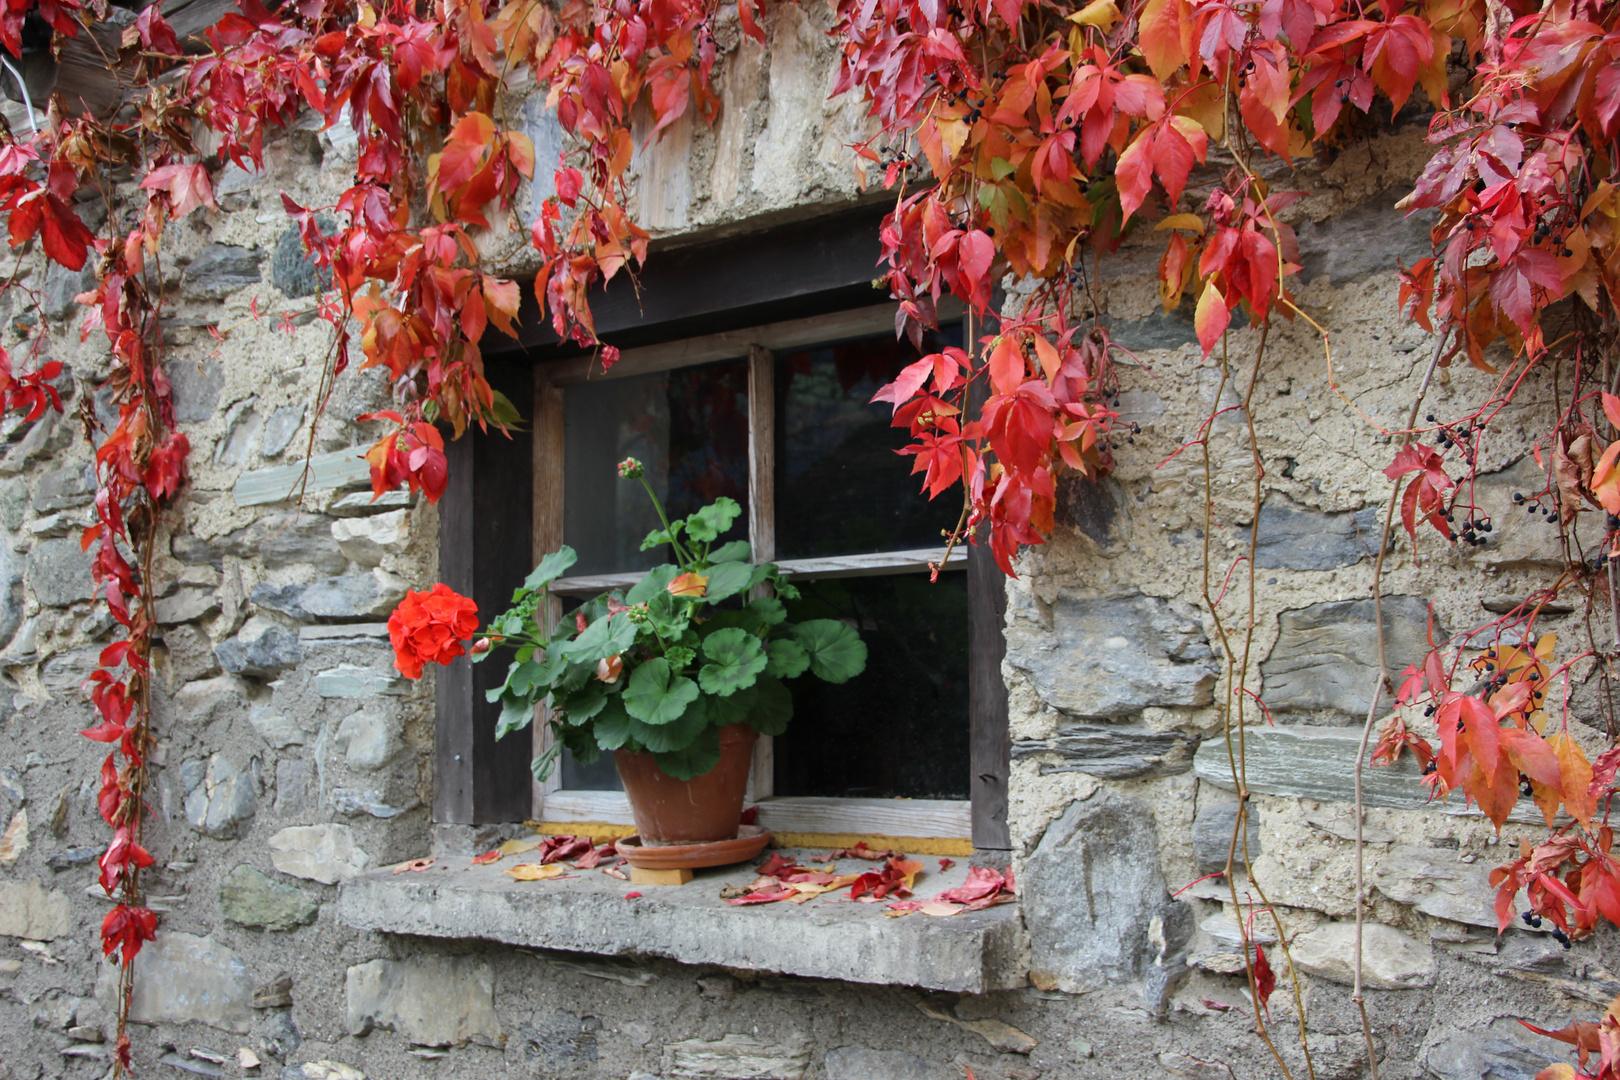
{"x":900,"y":728}
{"x":840,"y":487}
{"x":689,"y":427}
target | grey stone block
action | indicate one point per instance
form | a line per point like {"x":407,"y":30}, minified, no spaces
{"x":195,"y":388}
{"x":183,"y":978}
{"x":261,"y":648}
{"x":61,"y":286}
{"x":972,"y":952}
{"x":1295,"y":538}
{"x":1212,"y":834}
{"x":11,"y":593}
{"x":1091,"y":891}
{"x":220,"y":798}
{"x":251,"y":899}
{"x":1477,"y":1056}
{"x":1158,"y":331}
{"x":1110,"y":656}
{"x":1371,"y":238}
{"x":59,"y":573}
{"x":350,"y":681}
{"x":65,"y":488}
{"x":292,"y":270}
{"x":191,"y":654}
{"x":1326,"y":655}
{"x":355,"y":803}
{"x":221,"y":269}
{"x":279,"y":429}
{"x":348,"y":597}
{"x":1319,"y":763}
{"x":431,"y":1001}
{"x":340,"y":469}
{"x":736,"y":1056}
{"x":1390,"y":960}
{"x":1110,"y":752}
{"x":185,"y":605}
{"x":324,"y":853}
{"x":862,"y":1063}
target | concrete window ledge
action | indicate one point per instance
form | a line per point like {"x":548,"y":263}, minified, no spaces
{"x":588,"y":913}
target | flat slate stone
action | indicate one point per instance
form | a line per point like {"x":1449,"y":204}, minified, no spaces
{"x":1320,"y":763}
{"x":343,"y":598}
{"x":221,"y":269}
{"x":432,"y":1001}
{"x":1110,"y":656}
{"x":1326,"y":655}
{"x":59,"y":573}
{"x":337,"y":470}
{"x":1296,"y":538}
{"x":1110,"y":752}
{"x":970,"y":953}
{"x":251,"y":898}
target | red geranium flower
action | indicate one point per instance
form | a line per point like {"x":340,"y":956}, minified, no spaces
{"x":429,"y":627}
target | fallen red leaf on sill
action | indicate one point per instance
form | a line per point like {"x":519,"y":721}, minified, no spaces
{"x":487,"y":857}
{"x":557,"y":848}
{"x":763,"y":896}
{"x":414,"y":865}
{"x":946,"y":864}
{"x":984,"y":888}
{"x":859,"y":851}
{"x":894,"y":879}
{"x":593,"y":858}
{"x":632,"y":896}
{"x":613,"y":872}
{"x":750,"y":816}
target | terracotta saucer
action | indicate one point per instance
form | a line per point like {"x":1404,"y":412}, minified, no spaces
{"x":750,"y":841}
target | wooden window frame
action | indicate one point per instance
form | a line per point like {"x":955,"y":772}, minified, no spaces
{"x":489,"y":502}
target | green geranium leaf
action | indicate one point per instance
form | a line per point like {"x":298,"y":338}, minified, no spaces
{"x":657,"y":581}
{"x":541,"y":767}
{"x":773,"y":707}
{"x":707,"y":524}
{"x":612,"y":726}
{"x":727,"y":579}
{"x":678,"y":735}
{"x":605,"y":637}
{"x":516,"y":712}
{"x":661,"y":536}
{"x":735,"y":658}
{"x":551,"y":568}
{"x":736,"y":551}
{"x":694,"y":760}
{"x":768,"y":609}
{"x":837,"y":653}
{"x":584,"y":704}
{"x":788,"y":659}
{"x":653,"y":697}
{"x":736,"y":709}
{"x":581,"y":744}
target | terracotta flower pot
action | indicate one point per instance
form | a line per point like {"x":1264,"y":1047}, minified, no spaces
{"x":697,"y":811}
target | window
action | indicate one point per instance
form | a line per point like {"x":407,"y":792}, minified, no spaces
{"x":776,"y":414}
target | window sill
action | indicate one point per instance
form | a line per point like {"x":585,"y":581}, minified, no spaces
{"x":971,"y":953}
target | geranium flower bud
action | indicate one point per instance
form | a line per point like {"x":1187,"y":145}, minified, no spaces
{"x":630,"y":469}
{"x":689,"y":586}
{"x":481,"y":646}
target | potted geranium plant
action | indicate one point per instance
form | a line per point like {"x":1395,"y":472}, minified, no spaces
{"x":676,"y":676}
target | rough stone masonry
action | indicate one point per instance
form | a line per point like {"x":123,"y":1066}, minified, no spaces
{"x":294,"y":758}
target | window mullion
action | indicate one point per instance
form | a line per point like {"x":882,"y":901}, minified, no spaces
{"x":762,"y":517}
{"x":547,"y":537}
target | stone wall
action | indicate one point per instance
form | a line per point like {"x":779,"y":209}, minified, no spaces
{"x":294,"y":757}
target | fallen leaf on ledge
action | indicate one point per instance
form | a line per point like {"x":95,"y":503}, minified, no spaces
{"x":615,"y":872}
{"x":414,"y":865}
{"x":632,"y":896}
{"x":519,"y":847}
{"x":593,"y":858}
{"x":557,"y":848}
{"x":946,"y":864}
{"x":487,"y":857}
{"x":764,"y":896}
{"x":535,"y":871}
{"x":859,"y":851}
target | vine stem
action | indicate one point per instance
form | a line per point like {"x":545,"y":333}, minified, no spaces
{"x":1378,"y":689}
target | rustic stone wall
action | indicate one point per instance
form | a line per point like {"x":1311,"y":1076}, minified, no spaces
{"x":294,"y":757}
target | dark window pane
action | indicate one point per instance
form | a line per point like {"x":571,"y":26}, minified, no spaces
{"x":601,"y":776}
{"x":900,"y":728}
{"x":688,"y":427}
{"x":840,"y":487}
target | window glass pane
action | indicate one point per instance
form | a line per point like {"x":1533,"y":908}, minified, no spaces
{"x":900,"y":728}
{"x":603,"y":775}
{"x":688,"y":427}
{"x":840,"y":488}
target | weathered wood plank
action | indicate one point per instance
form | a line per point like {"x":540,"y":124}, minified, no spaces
{"x":915,"y":561}
{"x":453,"y":684}
{"x":1320,"y":763}
{"x":800,"y":814}
{"x":339,"y":469}
{"x":762,"y":522}
{"x":546,"y":536}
